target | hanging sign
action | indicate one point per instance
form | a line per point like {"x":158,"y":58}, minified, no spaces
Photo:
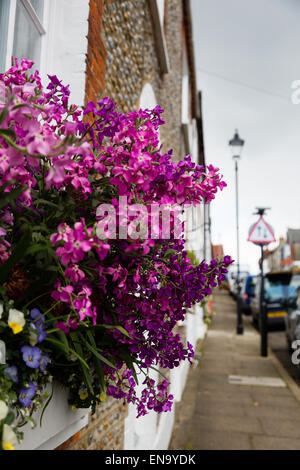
{"x":261,"y":233}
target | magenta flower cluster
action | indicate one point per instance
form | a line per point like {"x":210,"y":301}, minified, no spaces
{"x":128,"y":293}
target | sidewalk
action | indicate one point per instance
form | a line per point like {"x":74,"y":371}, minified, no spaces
{"x":217,"y":415}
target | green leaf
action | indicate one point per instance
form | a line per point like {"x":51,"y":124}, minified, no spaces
{"x":60,"y":334}
{"x":15,"y":257}
{"x":12,"y":196}
{"x":10,"y":418}
{"x":170,"y":252}
{"x":77,"y":346}
{"x":3,"y":114}
{"x":45,"y":202}
{"x":96,"y":353}
{"x":115,"y":327}
{"x":65,"y":348}
{"x":4,"y":186}
{"x":17,"y":106}
{"x":160,"y":373}
{"x":97,"y":363}
{"x":126,"y":356}
{"x":35,"y":248}
{"x":7,"y":132}
{"x":45,"y":406}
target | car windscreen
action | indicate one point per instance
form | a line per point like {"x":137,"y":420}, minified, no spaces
{"x":250,"y":284}
{"x":281,"y":286}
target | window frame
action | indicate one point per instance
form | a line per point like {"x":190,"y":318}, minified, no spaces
{"x":40,"y":25}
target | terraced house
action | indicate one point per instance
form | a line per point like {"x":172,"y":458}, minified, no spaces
{"x":140,"y":53}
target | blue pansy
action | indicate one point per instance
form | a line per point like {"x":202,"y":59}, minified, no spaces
{"x":36,"y":315}
{"x":38,"y":324}
{"x":32,"y":356}
{"x":12,"y":373}
{"x":27,"y":393}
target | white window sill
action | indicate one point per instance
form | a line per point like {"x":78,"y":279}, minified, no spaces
{"x":59,"y":423}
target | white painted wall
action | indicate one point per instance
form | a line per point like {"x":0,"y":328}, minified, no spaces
{"x":63,"y":52}
{"x":65,"y":45}
{"x":149,"y":432}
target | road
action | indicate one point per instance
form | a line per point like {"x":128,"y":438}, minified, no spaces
{"x":277,"y":343}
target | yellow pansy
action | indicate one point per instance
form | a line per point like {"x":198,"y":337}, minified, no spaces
{"x":7,"y":446}
{"x":16,"y":320}
{"x":15,"y":327}
{"x":83,"y":395}
{"x":8,"y":438}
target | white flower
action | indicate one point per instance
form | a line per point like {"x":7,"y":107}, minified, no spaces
{"x":33,"y":335}
{"x":16,"y":320}
{"x":3,"y":409}
{"x":2,"y":352}
{"x":1,"y":309}
{"x":9,"y":439}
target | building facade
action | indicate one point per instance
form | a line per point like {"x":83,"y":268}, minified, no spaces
{"x":139,"y":53}
{"x":287,"y":254}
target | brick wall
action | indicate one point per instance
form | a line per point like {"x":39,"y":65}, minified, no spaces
{"x":96,"y":54}
{"x":122,"y":57}
{"x":105,"y":430}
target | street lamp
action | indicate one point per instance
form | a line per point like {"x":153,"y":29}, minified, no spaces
{"x":236,"y":144}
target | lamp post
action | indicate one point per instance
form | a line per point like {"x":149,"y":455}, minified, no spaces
{"x":236,"y":144}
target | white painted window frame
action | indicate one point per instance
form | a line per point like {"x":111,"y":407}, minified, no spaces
{"x":41,"y":26}
{"x":60,"y":421}
{"x":157,"y":11}
{"x":34,"y":17}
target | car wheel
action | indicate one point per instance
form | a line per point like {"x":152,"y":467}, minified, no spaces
{"x":289,"y":344}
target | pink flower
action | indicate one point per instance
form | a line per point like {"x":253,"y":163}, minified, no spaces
{"x":118,"y":273}
{"x":65,"y":326}
{"x":84,"y":308}
{"x":64,"y":294}
{"x":74,"y":273}
{"x":63,"y":234}
{"x":74,"y":250}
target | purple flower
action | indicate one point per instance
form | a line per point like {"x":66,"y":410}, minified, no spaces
{"x":41,"y":333}
{"x":27,"y":393}
{"x":45,"y":359}
{"x":66,"y":325}
{"x":12,"y":373}
{"x":32,"y":356}
{"x":38,"y":324}
{"x":36,"y":315}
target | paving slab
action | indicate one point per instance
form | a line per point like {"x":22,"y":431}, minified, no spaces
{"x":274,"y":443}
{"x":220,"y":440}
{"x":215,"y":414}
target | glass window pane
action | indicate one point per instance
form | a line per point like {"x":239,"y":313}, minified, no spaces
{"x":4,"y":15}
{"x":27,"y":39}
{"x":38,"y":6}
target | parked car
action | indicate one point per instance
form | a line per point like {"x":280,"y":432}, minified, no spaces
{"x":247,"y":293}
{"x":292,"y":320}
{"x":280,"y":289}
{"x":233,"y":281}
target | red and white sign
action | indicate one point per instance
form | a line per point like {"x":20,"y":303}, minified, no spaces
{"x":261,"y":233}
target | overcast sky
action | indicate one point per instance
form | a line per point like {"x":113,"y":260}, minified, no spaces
{"x":247,"y":56}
